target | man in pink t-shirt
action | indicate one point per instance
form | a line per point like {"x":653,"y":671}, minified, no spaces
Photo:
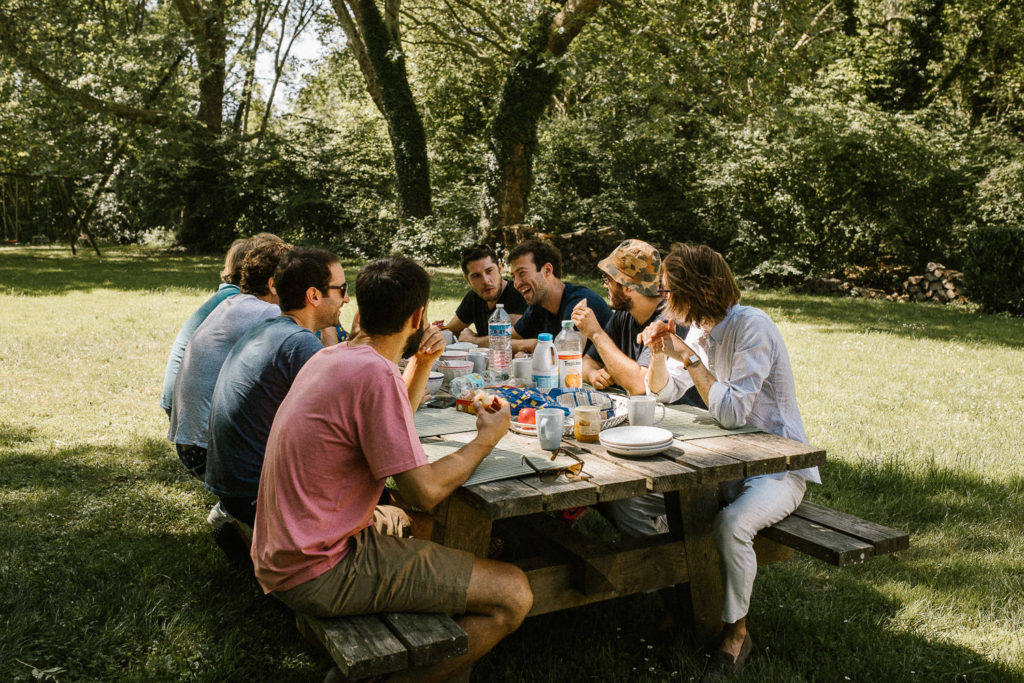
{"x":344,"y":427}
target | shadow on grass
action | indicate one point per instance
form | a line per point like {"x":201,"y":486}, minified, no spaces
{"x":113,"y":575}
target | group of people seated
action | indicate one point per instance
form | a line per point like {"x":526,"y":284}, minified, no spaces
{"x":296,"y":433}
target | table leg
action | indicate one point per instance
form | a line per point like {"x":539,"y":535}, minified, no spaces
{"x":691,"y":515}
{"x":461,"y":526}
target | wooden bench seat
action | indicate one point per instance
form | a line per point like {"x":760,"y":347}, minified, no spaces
{"x":835,"y":537}
{"x":378,"y":644}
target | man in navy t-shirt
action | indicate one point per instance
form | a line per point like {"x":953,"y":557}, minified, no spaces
{"x":537,"y":269}
{"x":259,"y":371}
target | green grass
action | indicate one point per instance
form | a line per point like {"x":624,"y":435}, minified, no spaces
{"x":108,"y":572}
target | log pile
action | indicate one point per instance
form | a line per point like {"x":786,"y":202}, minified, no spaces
{"x":581,"y":249}
{"x":938,"y":284}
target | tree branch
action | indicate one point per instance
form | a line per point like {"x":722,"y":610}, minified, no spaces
{"x":346,"y":17}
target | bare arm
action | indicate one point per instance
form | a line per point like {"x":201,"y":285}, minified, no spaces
{"x":417,"y":371}
{"x":455,"y":325}
{"x":428,"y":485}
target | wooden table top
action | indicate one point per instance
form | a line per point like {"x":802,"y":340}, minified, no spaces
{"x":688,"y":463}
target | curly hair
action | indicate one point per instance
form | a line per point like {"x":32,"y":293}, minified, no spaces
{"x":702,"y":285}
{"x":232,"y":273}
{"x":259,"y":265}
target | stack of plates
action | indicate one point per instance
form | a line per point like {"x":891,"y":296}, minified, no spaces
{"x":636,"y":441}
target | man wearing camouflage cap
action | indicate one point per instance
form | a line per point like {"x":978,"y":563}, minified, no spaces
{"x":631,"y":275}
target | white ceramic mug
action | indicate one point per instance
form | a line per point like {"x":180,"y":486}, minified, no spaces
{"x":550,"y":422}
{"x":479,"y":359}
{"x":641,"y":410}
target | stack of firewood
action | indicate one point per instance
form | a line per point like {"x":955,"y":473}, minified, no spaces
{"x":582,"y":249}
{"x":938,"y":284}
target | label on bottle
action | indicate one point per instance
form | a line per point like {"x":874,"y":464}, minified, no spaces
{"x":499,"y":329}
{"x":570,"y":371}
{"x":545,"y":382}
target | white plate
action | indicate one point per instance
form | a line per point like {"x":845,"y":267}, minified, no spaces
{"x":663,"y":444}
{"x":462,"y":346}
{"x":633,"y":437}
{"x":637,"y":452}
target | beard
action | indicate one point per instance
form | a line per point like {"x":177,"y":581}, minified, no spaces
{"x":412,"y":344}
{"x":619,"y":301}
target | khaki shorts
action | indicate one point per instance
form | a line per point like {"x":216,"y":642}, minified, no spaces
{"x":387,"y":574}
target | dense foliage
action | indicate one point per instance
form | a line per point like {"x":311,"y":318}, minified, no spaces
{"x":818,"y":138}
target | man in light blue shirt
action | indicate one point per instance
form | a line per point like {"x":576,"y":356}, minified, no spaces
{"x":747,"y":379}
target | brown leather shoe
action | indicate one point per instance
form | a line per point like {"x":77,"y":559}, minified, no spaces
{"x":722,"y":665}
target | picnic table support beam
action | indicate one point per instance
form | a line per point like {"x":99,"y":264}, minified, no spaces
{"x":691,"y":514}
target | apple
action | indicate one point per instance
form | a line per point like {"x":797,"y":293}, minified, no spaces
{"x":527,"y":416}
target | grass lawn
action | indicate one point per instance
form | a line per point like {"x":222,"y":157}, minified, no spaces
{"x":108,"y":571}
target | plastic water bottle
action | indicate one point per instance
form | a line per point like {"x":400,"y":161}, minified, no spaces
{"x":545,"y":364}
{"x":499,"y":337}
{"x":460,"y":385}
{"x":569,"y":345}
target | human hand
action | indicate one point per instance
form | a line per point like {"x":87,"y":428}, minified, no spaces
{"x":431,"y":346}
{"x":660,"y":337}
{"x":467,"y":336}
{"x":601,"y":379}
{"x":492,"y":423}
{"x":584,"y":319}
{"x":391,"y":521}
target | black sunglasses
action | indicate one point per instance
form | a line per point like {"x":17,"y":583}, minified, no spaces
{"x":342,"y":289}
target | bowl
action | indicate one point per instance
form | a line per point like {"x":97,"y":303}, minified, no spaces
{"x":434,"y":382}
{"x":461,"y":346}
{"x":450,"y":369}
{"x":452,"y":354}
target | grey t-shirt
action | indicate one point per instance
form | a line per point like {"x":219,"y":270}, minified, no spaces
{"x":204,"y":356}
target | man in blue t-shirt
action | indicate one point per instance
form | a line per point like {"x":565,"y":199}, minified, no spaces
{"x":232,"y":277}
{"x":258,"y":373}
{"x":537,"y":269}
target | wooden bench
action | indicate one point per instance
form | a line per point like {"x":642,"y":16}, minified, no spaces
{"x":378,"y":644}
{"x":835,"y":537}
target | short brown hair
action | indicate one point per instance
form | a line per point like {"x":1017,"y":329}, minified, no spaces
{"x":541,"y":252}
{"x":475,"y":253}
{"x":702,"y":285}
{"x":388,"y":291}
{"x":259,"y":265}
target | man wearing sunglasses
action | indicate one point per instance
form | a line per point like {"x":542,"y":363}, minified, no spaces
{"x":257,"y":375}
{"x":630,"y":275}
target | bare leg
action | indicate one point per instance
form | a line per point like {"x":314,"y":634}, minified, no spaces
{"x":733,"y":636}
{"x":499,"y":598}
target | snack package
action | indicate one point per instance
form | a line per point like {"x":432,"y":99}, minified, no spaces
{"x":517,"y":397}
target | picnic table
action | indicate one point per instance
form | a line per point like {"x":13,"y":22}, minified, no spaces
{"x":575,"y":570}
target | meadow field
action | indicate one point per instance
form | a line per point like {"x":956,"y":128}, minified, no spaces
{"x":108,"y":570}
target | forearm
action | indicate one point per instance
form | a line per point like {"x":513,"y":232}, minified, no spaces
{"x":657,"y":373}
{"x":626,"y":372}
{"x":438,"y":480}
{"x":526,"y":345}
{"x":415,"y":376}
{"x":702,"y":379}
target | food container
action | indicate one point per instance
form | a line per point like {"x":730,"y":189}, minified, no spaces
{"x":450,"y":369}
{"x":587,"y":423}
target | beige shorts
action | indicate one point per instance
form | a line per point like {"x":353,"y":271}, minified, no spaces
{"x":387,"y":574}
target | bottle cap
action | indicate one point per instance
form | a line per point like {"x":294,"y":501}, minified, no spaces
{"x":543,"y":336}
{"x":566,"y":324}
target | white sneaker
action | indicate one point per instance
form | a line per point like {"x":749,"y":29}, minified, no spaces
{"x":218,"y":517}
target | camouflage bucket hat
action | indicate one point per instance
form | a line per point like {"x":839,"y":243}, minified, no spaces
{"x":636,"y":264}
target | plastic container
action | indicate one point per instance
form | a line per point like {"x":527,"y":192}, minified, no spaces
{"x":569,"y":345}
{"x":461,"y":385}
{"x":499,"y":337}
{"x":545,"y":364}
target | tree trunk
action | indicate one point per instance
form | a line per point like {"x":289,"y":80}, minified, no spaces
{"x":528,"y":89}
{"x":378,"y":51}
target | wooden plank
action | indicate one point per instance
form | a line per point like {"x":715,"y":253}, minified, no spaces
{"x":562,"y":493}
{"x":884,"y":539}
{"x":769,"y":552}
{"x":711,"y":466}
{"x":612,"y":481}
{"x":461,"y":526}
{"x":503,"y":499}
{"x":818,"y":541}
{"x":692,"y":512}
{"x":756,"y":460}
{"x":361,"y":646}
{"x":798,"y":455}
{"x":662,"y":474}
{"x":556,"y":586}
{"x":428,"y":638}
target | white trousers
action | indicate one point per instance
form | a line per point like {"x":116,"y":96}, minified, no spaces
{"x":763,"y":502}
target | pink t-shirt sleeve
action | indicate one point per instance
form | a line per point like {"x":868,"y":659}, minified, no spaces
{"x":387,"y":433}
